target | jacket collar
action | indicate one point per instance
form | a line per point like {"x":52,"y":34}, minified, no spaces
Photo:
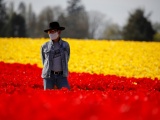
{"x":60,"y":42}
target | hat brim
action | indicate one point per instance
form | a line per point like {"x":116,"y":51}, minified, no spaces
{"x":59,"y":28}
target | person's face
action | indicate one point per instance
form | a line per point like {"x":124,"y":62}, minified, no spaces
{"x":54,"y":34}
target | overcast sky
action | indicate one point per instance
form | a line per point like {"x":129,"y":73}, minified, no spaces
{"x":116,"y":10}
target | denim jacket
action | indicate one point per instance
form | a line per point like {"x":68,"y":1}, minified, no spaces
{"x":47,"y":56}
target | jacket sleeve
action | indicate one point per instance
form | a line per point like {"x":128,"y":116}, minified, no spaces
{"x":42,"y":55}
{"x":68,"y":49}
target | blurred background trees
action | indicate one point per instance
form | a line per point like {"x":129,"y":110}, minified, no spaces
{"x":156,"y":27}
{"x":16,"y":26}
{"x":112,"y":32}
{"x":3,"y":17}
{"x":79,"y":23}
{"x":76,"y":20}
{"x":138,"y":27}
{"x":96,"y":24}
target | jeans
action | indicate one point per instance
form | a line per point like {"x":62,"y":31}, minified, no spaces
{"x":56,"y":80}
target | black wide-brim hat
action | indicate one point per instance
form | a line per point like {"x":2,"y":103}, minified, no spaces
{"x":54,"y":26}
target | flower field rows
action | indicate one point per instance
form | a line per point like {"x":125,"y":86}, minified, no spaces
{"x":108,"y":79}
{"x":130,"y":59}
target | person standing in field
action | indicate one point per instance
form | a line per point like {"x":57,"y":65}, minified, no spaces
{"x":55,"y":56}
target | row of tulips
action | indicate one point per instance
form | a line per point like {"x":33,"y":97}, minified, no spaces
{"x":121,"y":58}
{"x":28,"y":76}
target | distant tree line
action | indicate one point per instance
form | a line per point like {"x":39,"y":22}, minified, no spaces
{"x":78,"y":22}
